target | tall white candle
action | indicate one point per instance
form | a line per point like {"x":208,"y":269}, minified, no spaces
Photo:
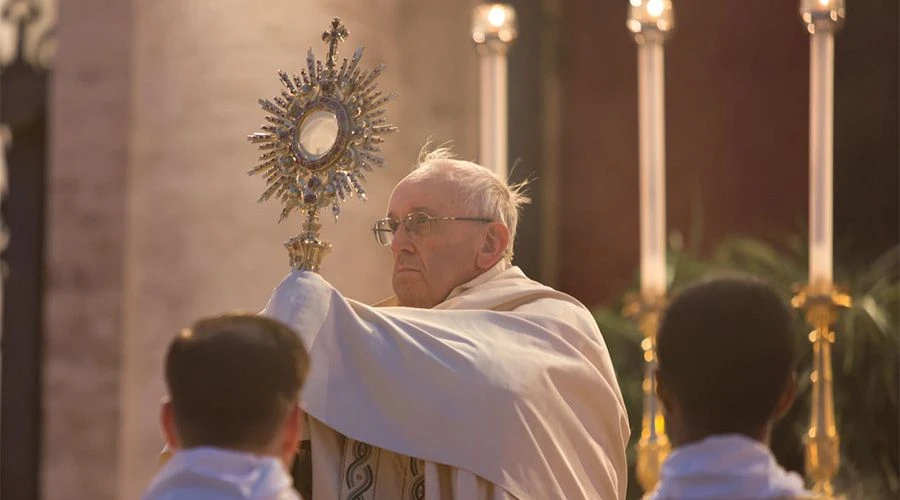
{"x":821,"y":159}
{"x":651,"y":21}
{"x":823,"y":18}
{"x":651,"y":107}
{"x":493,"y":121}
{"x":493,"y":29}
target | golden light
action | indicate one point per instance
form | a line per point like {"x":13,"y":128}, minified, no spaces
{"x":660,"y":423}
{"x":494,"y":22}
{"x":497,"y":15}
{"x":646,"y":16}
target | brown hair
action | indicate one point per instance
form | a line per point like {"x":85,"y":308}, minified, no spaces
{"x":727,"y":348}
{"x":233,"y":379}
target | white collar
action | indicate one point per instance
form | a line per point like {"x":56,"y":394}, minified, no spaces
{"x":726,"y":466}
{"x":481,"y":279}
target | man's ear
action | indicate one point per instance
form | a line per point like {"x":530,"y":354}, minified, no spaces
{"x":493,"y":248}
{"x":787,"y":397}
{"x":167,"y":422}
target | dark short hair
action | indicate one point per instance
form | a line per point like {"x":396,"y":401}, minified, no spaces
{"x":232,"y":380}
{"x":726,"y":350}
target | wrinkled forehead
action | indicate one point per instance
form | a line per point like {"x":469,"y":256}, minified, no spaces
{"x":434,"y":194}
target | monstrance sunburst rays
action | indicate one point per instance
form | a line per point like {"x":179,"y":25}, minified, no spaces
{"x":338,"y":105}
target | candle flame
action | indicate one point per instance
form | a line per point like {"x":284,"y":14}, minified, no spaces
{"x":655,"y":7}
{"x":824,"y":3}
{"x":497,"y":16}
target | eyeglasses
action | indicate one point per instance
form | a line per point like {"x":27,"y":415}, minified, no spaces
{"x":416,"y":224}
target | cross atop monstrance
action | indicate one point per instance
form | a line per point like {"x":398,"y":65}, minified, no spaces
{"x":334,"y":36}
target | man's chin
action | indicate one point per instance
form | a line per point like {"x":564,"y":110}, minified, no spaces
{"x":409,"y":290}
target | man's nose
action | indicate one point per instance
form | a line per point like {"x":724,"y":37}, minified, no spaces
{"x":401,"y":241}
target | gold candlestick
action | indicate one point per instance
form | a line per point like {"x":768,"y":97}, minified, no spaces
{"x":323,"y":132}
{"x":653,"y":446}
{"x":822,"y":440}
{"x":651,"y":22}
{"x":820,"y":299}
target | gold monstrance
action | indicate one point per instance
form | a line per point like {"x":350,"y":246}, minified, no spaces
{"x":323,"y":131}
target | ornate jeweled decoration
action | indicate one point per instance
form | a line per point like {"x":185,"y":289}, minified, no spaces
{"x":323,"y":133}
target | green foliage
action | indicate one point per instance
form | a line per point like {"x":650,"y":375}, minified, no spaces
{"x":866,"y":358}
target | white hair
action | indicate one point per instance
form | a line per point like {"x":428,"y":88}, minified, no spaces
{"x":481,"y":192}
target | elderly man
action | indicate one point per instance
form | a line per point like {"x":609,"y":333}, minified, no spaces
{"x":474,"y":382}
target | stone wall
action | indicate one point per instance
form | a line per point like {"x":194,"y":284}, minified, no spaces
{"x":86,"y":219}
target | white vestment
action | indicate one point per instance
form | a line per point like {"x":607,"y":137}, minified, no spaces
{"x":504,"y":390}
{"x":727,"y":466}
{"x":207,"y":473}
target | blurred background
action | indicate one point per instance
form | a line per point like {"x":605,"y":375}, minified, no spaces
{"x":127,"y":212}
